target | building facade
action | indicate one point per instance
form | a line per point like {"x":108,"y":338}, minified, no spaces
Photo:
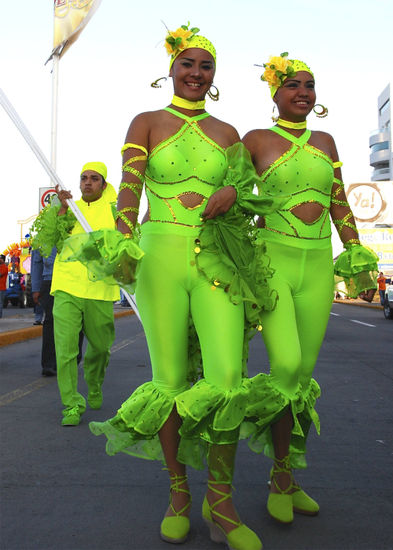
{"x":380,"y":141}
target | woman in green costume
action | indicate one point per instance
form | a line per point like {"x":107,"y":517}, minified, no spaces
{"x":179,"y":154}
{"x":292,"y":160}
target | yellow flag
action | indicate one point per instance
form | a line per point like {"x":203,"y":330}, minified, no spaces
{"x":71,"y":17}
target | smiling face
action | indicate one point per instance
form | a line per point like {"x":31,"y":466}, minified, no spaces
{"x":92,"y":185}
{"x":193,"y":72}
{"x":296,"y":97}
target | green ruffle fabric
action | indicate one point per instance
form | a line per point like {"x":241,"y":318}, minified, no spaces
{"x":134,"y":430}
{"x":266,"y":405}
{"x":357,"y":266}
{"x":232,"y":255}
{"x":51,"y":230}
{"x":210,"y":415}
{"x":242,"y":176}
{"x":107,"y":256}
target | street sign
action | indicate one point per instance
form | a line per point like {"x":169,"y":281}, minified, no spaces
{"x":45,"y":196}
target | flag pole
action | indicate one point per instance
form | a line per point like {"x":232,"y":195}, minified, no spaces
{"x":55,"y":88}
{"x":9,"y":109}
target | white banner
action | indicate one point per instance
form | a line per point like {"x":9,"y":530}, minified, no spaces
{"x":70,"y":18}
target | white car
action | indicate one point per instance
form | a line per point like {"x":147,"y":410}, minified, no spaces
{"x":388,"y":302}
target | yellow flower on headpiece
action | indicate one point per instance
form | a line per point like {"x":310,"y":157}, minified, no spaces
{"x":183,"y":34}
{"x":177,"y":41}
{"x":271,"y":78}
{"x":280,"y":63}
{"x":279,"y":68}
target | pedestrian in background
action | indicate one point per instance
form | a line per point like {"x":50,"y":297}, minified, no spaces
{"x":3,"y":281}
{"x":41,"y":280}
{"x":382,"y":287}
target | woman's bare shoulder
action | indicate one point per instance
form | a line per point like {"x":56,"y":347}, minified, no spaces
{"x":148,"y":117}
{"x":256,"y":138}
{"x":323,"y":136}
{"x":326,"y":142}
{"x":224,"y":127}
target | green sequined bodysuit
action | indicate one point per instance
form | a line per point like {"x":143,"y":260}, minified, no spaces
{"x":174,"y":170}
{"x":305,"y":173}
{"x":170,"y":292}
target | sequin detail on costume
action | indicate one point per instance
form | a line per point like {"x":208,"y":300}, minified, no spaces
{"x":174,"y":170}
{"x":306,"y":174}
{"x":343,"y":222}
{"x":134,"y":186}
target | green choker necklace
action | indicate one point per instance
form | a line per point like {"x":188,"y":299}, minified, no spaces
{"x":186,"y":104}
{"x":293,"y":125}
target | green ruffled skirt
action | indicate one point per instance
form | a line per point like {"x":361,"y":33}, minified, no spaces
{"x":210,"y":416}
{"x":267,"y":405}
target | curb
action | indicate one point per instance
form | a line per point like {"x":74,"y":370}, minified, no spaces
{"x":359,"y":304}
{"x":20,"y":335}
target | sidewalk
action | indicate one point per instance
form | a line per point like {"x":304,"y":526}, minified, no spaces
{"x":358,"y":302}
{"x":16,"y":325}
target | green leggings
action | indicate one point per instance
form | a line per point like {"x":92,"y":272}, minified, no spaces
{"x":72,"y":314}
{"x":169,"y":289}
{"x":294,"y":331}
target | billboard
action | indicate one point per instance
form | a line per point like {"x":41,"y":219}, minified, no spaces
{"x":371,"y":203}
{"x":372,"y":207}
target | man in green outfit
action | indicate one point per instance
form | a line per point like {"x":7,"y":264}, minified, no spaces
{"x":79,"y":303}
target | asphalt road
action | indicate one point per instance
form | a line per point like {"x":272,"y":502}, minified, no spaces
{"x":60,"y":491}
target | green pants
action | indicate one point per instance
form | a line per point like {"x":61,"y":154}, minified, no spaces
{"x":293,"y":333}
{"x":169,"y":289}
{"x":95,"y":317}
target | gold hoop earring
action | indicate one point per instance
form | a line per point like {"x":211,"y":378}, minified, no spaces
{"x":216,"y":96}
{"x":323,"y":112}
{"x":155,"y":83}
{"x":274,"y":118}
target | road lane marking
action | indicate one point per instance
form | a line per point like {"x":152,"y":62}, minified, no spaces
{"x":25,"y":390}
{"x":361,"y":323}
{"x":41,"y":382}
{"x":335,"y":314}
{"x":127,"y":342}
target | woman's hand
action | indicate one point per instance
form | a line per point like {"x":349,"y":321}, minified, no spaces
{"x":220,"y":202}
{"x":63,"y":196}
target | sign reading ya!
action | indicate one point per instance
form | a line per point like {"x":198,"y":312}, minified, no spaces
{"x":370,"y":202}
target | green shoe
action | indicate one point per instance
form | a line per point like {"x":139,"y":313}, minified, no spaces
{"x":175,"y":528}
{"x":303,"y":503}
{"x":241,"y":537}
{"x":279,"y":505}
{"x":71,"y":417}
{"x":95,"y":399}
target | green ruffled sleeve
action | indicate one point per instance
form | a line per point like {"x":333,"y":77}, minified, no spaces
{"x":107,"y":255}
{"x":242,"y":176}
{"x":357,"y":266}
{"x":51,"y":230}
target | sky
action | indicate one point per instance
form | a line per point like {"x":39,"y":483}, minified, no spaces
{"x":104,"y":80}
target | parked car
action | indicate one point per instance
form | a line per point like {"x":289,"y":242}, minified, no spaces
{"x":388,"y":302}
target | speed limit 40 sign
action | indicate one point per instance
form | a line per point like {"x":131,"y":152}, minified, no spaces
{"x":45,"y":196}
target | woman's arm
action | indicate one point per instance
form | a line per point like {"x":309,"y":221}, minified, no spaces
{"x":340,"y":210}
{"x":359,"y":263}
{"x":135,"y":153}
{"x":223,"y":199}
